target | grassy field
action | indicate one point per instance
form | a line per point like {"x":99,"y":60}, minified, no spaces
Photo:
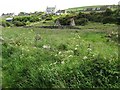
{"x":85,"y":7}
{"x":60,"y":58}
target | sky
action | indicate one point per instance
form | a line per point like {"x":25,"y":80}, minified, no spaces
{"x":16,"y":6}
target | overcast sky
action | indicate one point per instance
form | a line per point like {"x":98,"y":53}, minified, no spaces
{"x":16,"y":6}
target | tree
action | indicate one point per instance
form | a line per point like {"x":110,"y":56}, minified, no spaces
{"x":108,"y":12}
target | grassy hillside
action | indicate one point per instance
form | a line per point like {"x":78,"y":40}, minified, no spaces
{"x":62,"y":58}
{"x":85,"y":7}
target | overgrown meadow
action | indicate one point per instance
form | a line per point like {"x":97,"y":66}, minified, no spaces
{"x":61,"y":58}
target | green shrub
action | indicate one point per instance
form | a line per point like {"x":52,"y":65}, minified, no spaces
{"x":48,"y":18}
{"x":62,"y":47}
{"x":18,"y":23}
{"x":64,"y":21}
{"x":26,"y":19}
{"x":6,"y":24}
{"x":81,"y":21}
{"x":108,"y":19}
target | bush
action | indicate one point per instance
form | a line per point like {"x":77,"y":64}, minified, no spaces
{"x":62,"y":47}
{"x":81,"y":21}
{"x":108,"y":12}
{"x":26,"y":18}
{"x":18,"y":23}
{"x":108,"y":19}
{"x":6,"y":24}
{"x":64,"y":21}
{"x":48,"y":18}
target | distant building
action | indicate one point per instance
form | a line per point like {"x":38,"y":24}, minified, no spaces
{"x":93,"y":9}
{"x":8,"y":15}
{"x":9,"y":19}
{"x":23,"y":14}
{"x":109,"y":7}
{"x":50,"y":10}
{"x":60,"y":12}
{"x":98,"y":9}
{"x":88,"y":9}
{"x":103,"y":8}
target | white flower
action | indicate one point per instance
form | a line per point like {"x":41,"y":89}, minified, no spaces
{"x":46,"y":46}
{"x":77,"y":45}
{"x":104,"y":57}
{"x":59,"y":52}
{"x":62,"y":62}
{"x":34,"y":47}
{"x":75,"y":48}
{"x":55,"y":63}
{"x":22,"y":48}
{"x":55,"y":55}
{"x":31,"y":30}
{"x":89,"y":49}
{"x":85,"y":57}
{"x":70,"y":56}
{"x":79,"y":37}
{"x":69,"y":51}
{"x":116,"y":35}
{"x":50,"y":64}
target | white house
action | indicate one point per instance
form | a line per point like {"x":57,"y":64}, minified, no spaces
{"x":51,"y":10}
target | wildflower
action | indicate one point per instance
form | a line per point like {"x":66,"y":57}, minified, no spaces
{"x":62,"y":62}
{"x":22,"y":48}
{"x":79,"y":37}
{"x":77,"y":45}
{"x":50,"y":64}
{"x":46,"y":46}
{"x":59,"y":52}
{"x":31,"y":30}
{"x":16,"y":44}
{"x":85,"y":57}
{"x":89,"y":49}
{"x":69,"y":51}
{"x":55,"y":55}
{"x":104,"y":57}
{"x":55,"y":63}
{"x":75,"y":48}
{"x":28,"y":50}
{"x":34,"y":47}
{"x":116,"y":35}
{"x":112,"y":32}
{"x":70,"y":56}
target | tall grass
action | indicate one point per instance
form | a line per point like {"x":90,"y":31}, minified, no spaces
{"x":75,"y":59}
